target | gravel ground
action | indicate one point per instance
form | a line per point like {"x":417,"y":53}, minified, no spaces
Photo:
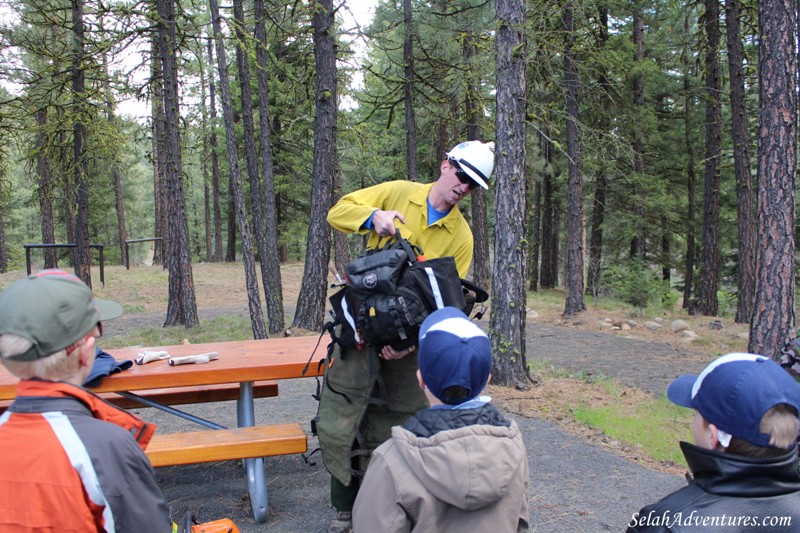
{"x":575,"y":487}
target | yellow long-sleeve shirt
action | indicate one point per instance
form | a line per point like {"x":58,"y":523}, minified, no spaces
{"x":450,"y":235}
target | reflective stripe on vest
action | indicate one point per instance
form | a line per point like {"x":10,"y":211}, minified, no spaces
{"x":437,"y":292}
{"x":81,"y":462}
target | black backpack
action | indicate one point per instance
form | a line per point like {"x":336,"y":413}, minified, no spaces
{"x":390,"y":291}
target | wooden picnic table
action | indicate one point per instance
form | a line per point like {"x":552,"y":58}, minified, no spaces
{"x":241,"y":362}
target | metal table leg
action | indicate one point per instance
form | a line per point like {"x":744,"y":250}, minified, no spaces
{"x":256,"y":477}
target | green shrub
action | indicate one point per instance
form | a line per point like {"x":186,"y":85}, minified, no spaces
{"x":636,"y":284}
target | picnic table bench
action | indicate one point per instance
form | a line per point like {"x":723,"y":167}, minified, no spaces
{"x":245,"y":370}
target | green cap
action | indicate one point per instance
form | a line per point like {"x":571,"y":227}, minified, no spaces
{"x":53,"y":309}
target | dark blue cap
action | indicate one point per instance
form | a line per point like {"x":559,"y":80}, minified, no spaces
{"x":735,"y":391}
{"x":453,"y":351}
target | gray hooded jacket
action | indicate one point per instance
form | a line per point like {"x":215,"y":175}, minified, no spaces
{"x":447,"y":470}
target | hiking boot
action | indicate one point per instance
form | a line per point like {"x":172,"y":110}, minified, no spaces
{"x":342,"y":522}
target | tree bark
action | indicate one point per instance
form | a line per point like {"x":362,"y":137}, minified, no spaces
{"x":535,"y":232}
{"x":159,"y":162}
{"x":119,"y":202}
{"x":272,"y":279}
{"x":215,"y":190}
{"x":83,"y":259}
{"x":408,"y":92}
{"x":773,"y":319}
{"x":45,"y":190}
{"x":549,"y":266}
{"x":691,"y":200}
{"x":311,"y":300}
{"x":575,"y":238}
{"x":207,"y":227}
{"x":481,"y":258}
{"x":251,"y":281}
{"x":745,"y":195}
{"x":707,"y":303}
{"x":639,"y":241}
{"x":600,"y":177}
{"x":251,"y":156}
{"x":507,"y":323}
{"x":181,"y":304}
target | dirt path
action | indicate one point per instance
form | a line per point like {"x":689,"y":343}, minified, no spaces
{"x":650,"y":366}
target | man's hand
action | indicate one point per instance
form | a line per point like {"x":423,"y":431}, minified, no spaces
{"x":383,"y":222}
{"x":389,"y":353}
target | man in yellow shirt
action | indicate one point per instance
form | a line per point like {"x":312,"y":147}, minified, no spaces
{"x":369,"y":391}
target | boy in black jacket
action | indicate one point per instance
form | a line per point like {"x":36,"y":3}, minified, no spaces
{"x":744,"y":464}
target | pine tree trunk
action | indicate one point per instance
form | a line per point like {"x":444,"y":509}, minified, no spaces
{"x":230,"y":247}
{"x":251,"y":156}
{"x":600,"y":177}
{"x":691,"y":200}
{"x":208,"y":230}
{"x":181,"y":304}
{"x":707,"y":302}
{"x":83,"y":258}
{"x":215,"y":190}
{"x":481,"y":258}
{"x":549,"y":266}
{"x":119,"y":202}
{"x":596,"y":235}
{"x":251,"y":280}
{"x":745,"y":193}
{"x":507,"y":323}
{"x":272,"y":279}
{"x":535,"y":232}
{"x":45,"y":190}
{"x":408,"y":92}
{"x":773,"y":310}
{"x":159,"y":163}
{"x":311,"y":300}
{"x":639,"y":241}
{"x":575,"y":237}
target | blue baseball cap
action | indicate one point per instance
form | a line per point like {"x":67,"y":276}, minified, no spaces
{"x":735,"y":391}
{"x":453,"y":351}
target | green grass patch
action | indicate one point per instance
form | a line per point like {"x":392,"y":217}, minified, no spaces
{"x":227,"y":328}
{"x":654,"y":425}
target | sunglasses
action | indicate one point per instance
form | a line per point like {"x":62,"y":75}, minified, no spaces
{"x":463,"y":177}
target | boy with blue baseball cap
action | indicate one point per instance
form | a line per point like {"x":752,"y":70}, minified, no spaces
{"x":744,"y":465}
{"x":459,"y":465}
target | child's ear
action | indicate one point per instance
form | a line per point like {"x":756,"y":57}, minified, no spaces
{"x":420,"y":380}
{"x":713,"y":436}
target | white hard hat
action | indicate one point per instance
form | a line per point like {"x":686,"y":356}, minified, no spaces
{"x":476,"y":159}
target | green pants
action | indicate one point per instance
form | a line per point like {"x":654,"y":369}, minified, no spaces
{"x":357,"y":409}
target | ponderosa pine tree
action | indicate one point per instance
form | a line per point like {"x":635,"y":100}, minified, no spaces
{"x":311,"y":300}
{"x":181,"y":304}
{"x":237,"y":194}
{"x":507,"y":322}
{"x":773,"y":319}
